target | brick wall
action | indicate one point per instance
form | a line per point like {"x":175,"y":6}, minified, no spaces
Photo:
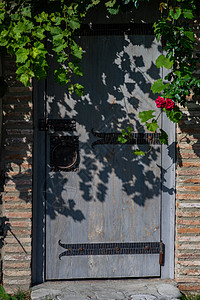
{"x":17,"y":196}
{"x":187,"y":265}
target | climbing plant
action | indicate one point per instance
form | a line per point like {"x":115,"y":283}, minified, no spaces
{"x":32,"y":30}
{"x":174,"y":29}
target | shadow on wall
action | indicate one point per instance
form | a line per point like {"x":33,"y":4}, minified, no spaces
{"x":16,"y":156}
{"x":118,"y":73}
{"x":188,"y":138}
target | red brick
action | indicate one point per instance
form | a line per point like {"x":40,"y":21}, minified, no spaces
{"x":188,"y":196}
{"x":189,"y":288}
{"x":189,"y":146}
{"x":18,"y":188}
{"x":17,"y":257}
{"x":23,"y":223}
{"x":9,"y":198}
{"x":190,"y":256}
{"x":17,"y":205}
{"x":188,"y":230}
{"x":188,"y":222}
{"x":19,"y":214}
{"x":188,"y":172}
{"x":17,"y":249}
{"x":16,"y":272}
{"x":19,"y":89}
{"x":8,"y":98}
{"x":191,"y":272}
{"x":186,"y":155}
{"x":189,"y":188}
{"x":189,"y":180}
{"x":187,"y":214}
{"x":16,"y":265}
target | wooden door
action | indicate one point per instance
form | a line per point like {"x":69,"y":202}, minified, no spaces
{"x":103,"y":204}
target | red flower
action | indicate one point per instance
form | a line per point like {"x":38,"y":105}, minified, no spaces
{"x":169,"y":104}
{"x":160,"y":102}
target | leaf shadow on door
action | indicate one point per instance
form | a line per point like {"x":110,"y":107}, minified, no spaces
{"x":118,"y":73}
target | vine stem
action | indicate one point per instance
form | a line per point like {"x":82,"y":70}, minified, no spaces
{"x":159,"y":115}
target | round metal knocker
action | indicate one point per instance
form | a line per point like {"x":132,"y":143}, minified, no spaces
{"x":64,"y":156}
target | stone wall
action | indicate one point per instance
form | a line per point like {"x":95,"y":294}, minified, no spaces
{"x":187,"y":264}
{"x":16,"y":162}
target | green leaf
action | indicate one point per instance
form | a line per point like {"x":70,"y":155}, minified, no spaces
{"x":26,"y":11}
{"x":163,"y":138}
{"x":110,"y":3}
{"x":24,"y":78}
{"x":75,"y":68}
{"x":113,"y":11}
{"x":146,"y":115}
{"x":163,"y":61}
{"x":79,"y":89}
{"x":174,"y":115}
{"x":159,"y":86}
{"x":40,"y":47}
{"x":60,"y":76}
{"x":58,"y":47}
{"x":2,"y":290}
{"x":122,"y":139}
{"x":130,"y":129}
{"x":71,"y":88}
{"x":43,"y":16}
{"x":175,"y":12}
{"x":138,"y":152}
{"x":21,"y":55}
{"x":19,"y":28}
{"x":124,"y":132}
{"x":95,"y":2}
{"x":39,"y":33}
{"x":24,"y":68}
{"x":187,"y":13}
{"x":153,"y":126}
{"x":76,"y":50}
{"x":74,"y":23}
{"x":189,"y":35}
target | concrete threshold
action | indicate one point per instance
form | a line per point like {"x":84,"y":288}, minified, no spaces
{"x":126,"y":289}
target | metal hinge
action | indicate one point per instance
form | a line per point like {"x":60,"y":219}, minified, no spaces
{"x":57,"y":125}
{"x":161,"y":253}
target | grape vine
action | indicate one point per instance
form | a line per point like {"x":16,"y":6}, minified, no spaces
{"x":32,"y":29}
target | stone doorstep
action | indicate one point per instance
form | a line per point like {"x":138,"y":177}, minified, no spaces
{"x":135,"y":289}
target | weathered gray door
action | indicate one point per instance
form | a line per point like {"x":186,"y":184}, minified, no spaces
{"x":102,"y":202}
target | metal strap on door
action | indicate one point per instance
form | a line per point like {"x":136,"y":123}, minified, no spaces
{"x":114,"y":249}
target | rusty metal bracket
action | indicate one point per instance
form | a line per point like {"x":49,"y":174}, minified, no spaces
{"x":161,"y":253}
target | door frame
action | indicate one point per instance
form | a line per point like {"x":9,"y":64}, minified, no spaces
{"x":168,"y":176}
